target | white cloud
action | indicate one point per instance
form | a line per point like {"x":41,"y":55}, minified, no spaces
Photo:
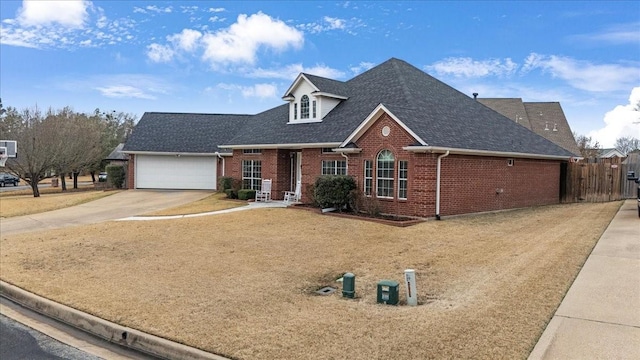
{"x":216,"y":10}
{"x":363,"y":66}
{"x":289,"y":72}
{"x":585,"y":75}
{"x":160,"y":53}
{"x":124,"y":91}
{"x":623,"y":120}
{"x":616,"y":35}
{"x":261,"y":91}
{"x":469,"y":68}
{"x":326,"y":24}
{"x":65,"y":25}
{"x":71,"y":13}
{"x":241,"y":41}
{"x":186,"y":40}
{"x":19,"y":37}
{"x":156,"y":9}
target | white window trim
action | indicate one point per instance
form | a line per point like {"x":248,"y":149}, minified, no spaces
{"x":364,"y":185}
{"x":253,"y":173}
{"x":378,"y":178}
{"x":335,"y":167}
{"x":405,"y":179}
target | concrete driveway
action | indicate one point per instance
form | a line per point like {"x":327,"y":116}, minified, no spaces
{"x":123,"y":204}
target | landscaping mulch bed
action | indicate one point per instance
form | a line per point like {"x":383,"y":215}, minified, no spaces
{"x":399,"y":221}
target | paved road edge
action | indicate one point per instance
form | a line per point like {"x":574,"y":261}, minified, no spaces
{"x":104,"y":329}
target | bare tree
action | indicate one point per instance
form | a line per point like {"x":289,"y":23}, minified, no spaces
{"x":587,"y":146}
{"x":626,"y":144}
{"x":38,"y":151}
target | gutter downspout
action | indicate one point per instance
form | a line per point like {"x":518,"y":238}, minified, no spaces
{"x":220,"y":157}
{"x":438,"y":184}
{"x":347,"y":161}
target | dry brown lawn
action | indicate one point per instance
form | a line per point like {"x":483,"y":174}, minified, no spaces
{"x":213,"y":202}
{"x":18,"y":203}
{"x":242,"y":284}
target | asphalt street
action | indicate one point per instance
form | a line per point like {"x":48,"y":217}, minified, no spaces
{"x":20,"y":342}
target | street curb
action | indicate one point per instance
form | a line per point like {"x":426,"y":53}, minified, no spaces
{"x":112,"y":332}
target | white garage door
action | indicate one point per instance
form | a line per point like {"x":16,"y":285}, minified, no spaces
{"x":172,"y":172}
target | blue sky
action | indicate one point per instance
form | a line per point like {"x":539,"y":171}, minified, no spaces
{"x":240,"y":57}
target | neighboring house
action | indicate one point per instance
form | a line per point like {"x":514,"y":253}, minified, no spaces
{"x":610,"y":153}
{"x":544,"y":118}
{"x":117,"y":157}
{"x":414,"y":144}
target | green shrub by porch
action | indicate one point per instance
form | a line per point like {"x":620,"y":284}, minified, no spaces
{"x":246,"y":194}
{"x":115,"y":175}
{"x":333,"y":191}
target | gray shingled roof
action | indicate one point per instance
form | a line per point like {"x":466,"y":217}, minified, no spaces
{"x":117,"y":154}
{"x":438,"y":113}
{"x":544,"y":117}
{"x":185,"y":133}
{"x":327,"y":85}
{"x":513,"y":108}
{"x":529,"y":116}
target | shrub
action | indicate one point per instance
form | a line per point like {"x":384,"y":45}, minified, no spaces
{"x":364,"y":204}
{"x":246,"y":194}
{"x":231,"y":194}
{"x":334,"y":191}
{"x":225,"y":183}
{"x":115,"y":175}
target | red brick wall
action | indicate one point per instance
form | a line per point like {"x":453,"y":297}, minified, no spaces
{"x":468,"y":183}
{"x":131,"y":171}
{"x":275,"y":166}
{"x":474,"y":184}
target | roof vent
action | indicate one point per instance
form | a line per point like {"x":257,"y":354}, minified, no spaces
{"x":555,"y":127}
{"x":475,"y":96}
{"x":546,"y":126}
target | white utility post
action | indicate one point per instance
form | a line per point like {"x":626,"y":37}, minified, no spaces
{"x":410,"y":282}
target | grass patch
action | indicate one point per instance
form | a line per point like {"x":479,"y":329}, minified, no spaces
{"x":241,"y":284}
{"x":18,"y":203}
{"x":213,"y":202}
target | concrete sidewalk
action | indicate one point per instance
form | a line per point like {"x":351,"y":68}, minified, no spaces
{"x":599,"y":318}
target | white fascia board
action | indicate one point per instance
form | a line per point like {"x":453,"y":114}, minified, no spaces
{"x":300,"y":77}
{"x":305,"y":121}
{"x":282,"y":146}
{"x":335,"y":96}
{"x":438,"y":149}
{"x":373,"y":116}
{"x":347,"y":150}
{"x":169,"y":153}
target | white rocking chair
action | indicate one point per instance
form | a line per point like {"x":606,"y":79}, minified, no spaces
{"x":293,"y":196}
{"x":264,"y":194}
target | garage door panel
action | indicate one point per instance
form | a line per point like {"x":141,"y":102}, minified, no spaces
{"x":172,"y":172}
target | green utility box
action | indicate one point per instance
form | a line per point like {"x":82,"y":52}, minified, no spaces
{"x":349,"y":285}
{"x":388,"y":292}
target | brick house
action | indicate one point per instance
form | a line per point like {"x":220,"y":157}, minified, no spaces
{"x":416,"y":145}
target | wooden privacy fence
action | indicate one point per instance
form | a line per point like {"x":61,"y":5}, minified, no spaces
{"x":605,"y":180}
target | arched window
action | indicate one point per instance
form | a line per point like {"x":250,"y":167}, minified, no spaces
{"x":385,"y":172}
{"x":304,"y":107}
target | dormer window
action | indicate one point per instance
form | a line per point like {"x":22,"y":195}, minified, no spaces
{"x":304,"y":107}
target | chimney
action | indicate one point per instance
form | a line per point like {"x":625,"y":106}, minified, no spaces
{"x":475,"y":96}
